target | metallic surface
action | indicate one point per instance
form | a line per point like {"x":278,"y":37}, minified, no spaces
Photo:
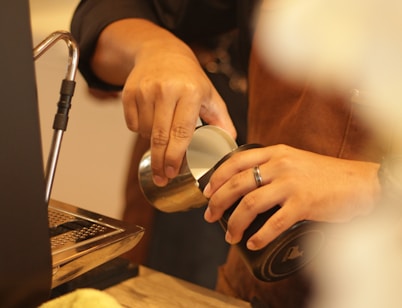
{"x":208,"y":145}
{"x":81,"y":240}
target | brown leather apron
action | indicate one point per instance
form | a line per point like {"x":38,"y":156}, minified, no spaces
{"x":299,"y":116}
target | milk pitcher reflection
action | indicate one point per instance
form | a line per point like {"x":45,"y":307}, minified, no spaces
{"x":208,"y":149}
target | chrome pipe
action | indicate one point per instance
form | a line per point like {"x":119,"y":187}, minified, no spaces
{"x":64,"y":104}
{"x":73,"y":50}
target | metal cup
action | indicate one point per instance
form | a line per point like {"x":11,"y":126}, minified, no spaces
{"x":208,"y":145}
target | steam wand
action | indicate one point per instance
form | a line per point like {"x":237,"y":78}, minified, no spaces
{"x":64,"y":104}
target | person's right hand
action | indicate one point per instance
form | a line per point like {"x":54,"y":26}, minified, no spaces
{"x":163,"y":97}
{"x":165,"y":89}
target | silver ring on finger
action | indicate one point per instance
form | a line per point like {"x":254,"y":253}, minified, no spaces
{"x":257,"y":176}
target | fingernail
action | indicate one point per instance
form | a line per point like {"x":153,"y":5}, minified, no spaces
{"x":251,"y":245}
{"x":228,"y":237}
{"x":159,"y":181}
{"x":170,"y":172}
{"x":208,"y":214}
{"x":207,"y":191}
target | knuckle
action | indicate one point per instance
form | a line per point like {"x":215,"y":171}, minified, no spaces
{"x":181,"y":132}
{"x":236,"y":159}
{"x":131,"y":124}
{"x":249,"y":202}
{"x":167,"y":87}
{"x":128,"y":95}
{"x":277,"y":223}
{"x":147,"y":85}
{"x":159,"y":138}
{"x":191,"y":87}
{"x":156,"y":169}
{"x":284,"y":163}
{"x":215,"y":203}
{"x":235,"y":182}
{"x":282,"y":148}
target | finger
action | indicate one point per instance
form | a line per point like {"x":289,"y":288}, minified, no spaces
{"x":214,"y":112}
{"x":145,"y":102}
{"x":162,"y":122}
{"x":181,"y":131}
{"x":245,"y":160}
{"x":232,"y":190}
{"x":278,"y":223}
{"x":256,"y":202}
{"x":130,"y":110}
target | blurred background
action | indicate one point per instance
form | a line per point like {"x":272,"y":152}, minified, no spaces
{"x":342,"y":45}
{"x":93,"y":160}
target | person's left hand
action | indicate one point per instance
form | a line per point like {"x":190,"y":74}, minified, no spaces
{"x":307,"y":186}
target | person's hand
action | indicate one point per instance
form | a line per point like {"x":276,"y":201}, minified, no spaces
{"x":305,"y":185}
{"x":163,"y":97}
{"x":165,"y":89}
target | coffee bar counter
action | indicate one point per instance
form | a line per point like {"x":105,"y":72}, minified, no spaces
{"x":129,"y":285}
{"x":154,"y":289}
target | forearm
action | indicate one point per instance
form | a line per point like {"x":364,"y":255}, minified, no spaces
{"x":125,"y":42}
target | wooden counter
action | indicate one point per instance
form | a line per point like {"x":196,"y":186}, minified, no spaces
{"x":155,"y":289}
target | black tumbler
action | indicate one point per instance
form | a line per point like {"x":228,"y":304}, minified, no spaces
{"x":288,"y":253}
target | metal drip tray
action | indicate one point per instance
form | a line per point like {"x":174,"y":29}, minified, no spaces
{"x":81,"y":240}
